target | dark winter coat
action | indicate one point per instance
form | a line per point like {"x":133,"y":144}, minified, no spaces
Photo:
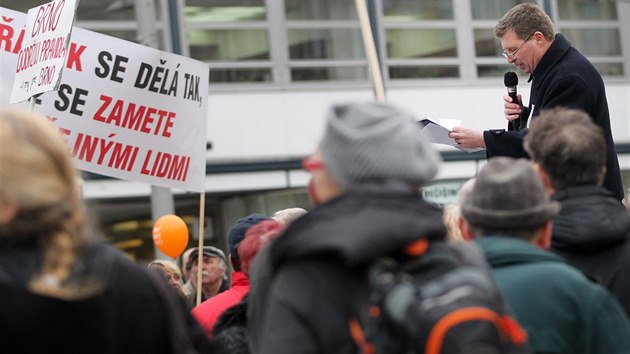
{"x":230,"y":330}
{"x":563,"y":78}
{"x":318,"y":261}
{"x":592,"y":232}
{"x":135,"y":310}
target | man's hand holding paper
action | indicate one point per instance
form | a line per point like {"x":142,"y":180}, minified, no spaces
{"x":448,"y":132}
{"x":467,"y":138}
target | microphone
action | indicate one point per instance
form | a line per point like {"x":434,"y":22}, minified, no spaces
{"x":510,"y":80}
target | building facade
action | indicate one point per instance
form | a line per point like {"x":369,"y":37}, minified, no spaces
{"x":277,"y":65}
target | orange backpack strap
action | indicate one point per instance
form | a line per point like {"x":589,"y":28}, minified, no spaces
{"x":514,"y":330}
{"x":417,"y":248}
{"x":506,"y":327}
{"x":356,"y":331}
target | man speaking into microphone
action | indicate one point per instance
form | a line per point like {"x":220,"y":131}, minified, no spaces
{"x":560,"y":76}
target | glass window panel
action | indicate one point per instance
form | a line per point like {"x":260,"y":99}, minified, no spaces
{"x":492,"y":70}
{"x":320,"y":10}
{"x":229,"y":45}
{"x":225,"y":10}
{"x":127,"y":35}
{"x":325,"y":44}
{"x":492,"y":9}
{"x":421,"y":43}
{"x":587,"y":10}
{"x":423,"y":72}
{"x":486,"y":44}
{"x":405,"y":10}
{"x":20,"y":5}
{"x":610,"y":69}
{"x":240,"y":75}
{"x":114,"y":10}
{"x":329,"y":74}
{"x":106,"y":11}
{"x":598,"y":42}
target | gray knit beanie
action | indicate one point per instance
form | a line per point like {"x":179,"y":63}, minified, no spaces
{"x":366,"y":142}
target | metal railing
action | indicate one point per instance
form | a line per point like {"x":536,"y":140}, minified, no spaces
{"x":296,"y":163}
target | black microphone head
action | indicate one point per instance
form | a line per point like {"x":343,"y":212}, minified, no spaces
{"x":510,"y":79}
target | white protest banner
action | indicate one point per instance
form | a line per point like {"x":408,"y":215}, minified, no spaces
{"x":43,"y":54}
{"x":125,"y":110}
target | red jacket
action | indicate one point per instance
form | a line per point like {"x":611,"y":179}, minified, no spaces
{"x":209,"y":311}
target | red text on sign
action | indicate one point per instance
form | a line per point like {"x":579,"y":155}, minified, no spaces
{"x":48,"y":16}
{"x":135,"y":117}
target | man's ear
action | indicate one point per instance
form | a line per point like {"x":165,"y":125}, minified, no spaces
{"x":8,"y":213}
{"x":543,"y":236}
{"x":544,"y":177}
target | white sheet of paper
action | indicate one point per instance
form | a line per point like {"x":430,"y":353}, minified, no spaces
{"x":437,"y":130}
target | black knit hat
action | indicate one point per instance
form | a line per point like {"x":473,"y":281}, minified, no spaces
{"x":237,"y":233}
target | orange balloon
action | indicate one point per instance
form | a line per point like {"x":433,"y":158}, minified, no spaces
{"x":170,"y":235}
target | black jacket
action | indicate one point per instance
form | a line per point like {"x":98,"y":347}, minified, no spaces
{"x":563,"y":78}
{"x":135,"y":310}
{"x":318,"y":263}
{"x":592,"y":232}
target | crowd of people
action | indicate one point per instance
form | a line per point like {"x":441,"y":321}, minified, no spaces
{"x":554,"y":236}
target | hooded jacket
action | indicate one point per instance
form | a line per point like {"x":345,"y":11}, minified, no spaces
{"x":563,"y":78}
{"x":562,"y":311}
{"x":592,"y":232}
{"x":318,"y":265}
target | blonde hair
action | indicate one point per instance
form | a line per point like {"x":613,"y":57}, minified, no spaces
{"x":450,"y":218}
{"x":40,"y":199}
{"x":168,"y":267}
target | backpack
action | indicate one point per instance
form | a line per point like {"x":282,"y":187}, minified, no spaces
{"x":440,"y":300}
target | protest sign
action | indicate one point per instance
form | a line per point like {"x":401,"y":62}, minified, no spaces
{"x":125,"y":110}
{"x":42,"y":55}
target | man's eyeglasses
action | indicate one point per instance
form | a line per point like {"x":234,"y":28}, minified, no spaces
{"x":512,"y":55}
{"x":309,"y":164}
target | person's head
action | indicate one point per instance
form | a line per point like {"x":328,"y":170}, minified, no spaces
{"x":170,"y":270}
{"x":256,"y":238}
{"x":369,"y":143}
{"x":526,"y":32}
{"x":237,"y":234}
{"x":287,"y":216}
{"x":464,"y":191}
{"x":213,"y":266}
{"x":567,"y":148}
{"x":508,"y":199}
{"x":40,"y":199}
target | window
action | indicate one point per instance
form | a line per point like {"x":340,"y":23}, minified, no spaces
{"x":324,"y":41}
{"x":233,"y":37}
{"x":116,"y":18}
{"x":593,"y":28}
{"x":420,"y":39}
{"x":288,"y":43}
